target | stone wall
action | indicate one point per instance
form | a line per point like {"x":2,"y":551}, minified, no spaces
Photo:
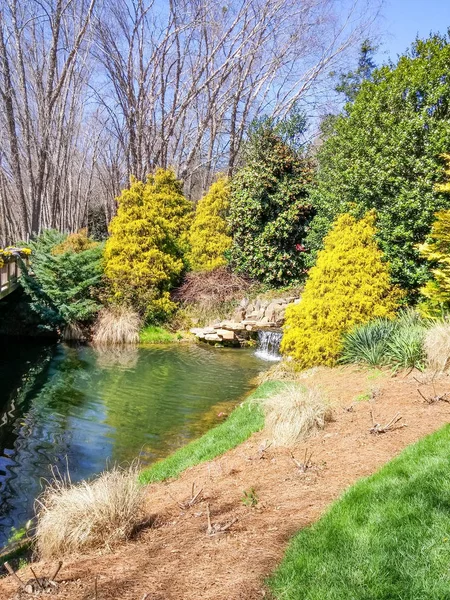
{"x":247,"y":320}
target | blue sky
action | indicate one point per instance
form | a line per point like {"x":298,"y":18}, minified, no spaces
{"x":402,"y":20}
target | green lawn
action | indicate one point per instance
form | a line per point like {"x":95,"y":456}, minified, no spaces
{"x":388,"y":537}
{"x":246,"y":419}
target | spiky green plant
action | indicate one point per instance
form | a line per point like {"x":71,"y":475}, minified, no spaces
{"x":367,"y":343}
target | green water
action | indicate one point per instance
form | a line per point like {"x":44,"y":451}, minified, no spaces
{"x":86,"y":409}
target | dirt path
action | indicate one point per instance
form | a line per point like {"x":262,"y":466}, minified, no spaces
{"x":177,"y":560}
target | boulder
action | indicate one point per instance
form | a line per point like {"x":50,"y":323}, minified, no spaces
{"x":226,"y":334}
{"x":213,"y":337}
{"x":232,"y":325}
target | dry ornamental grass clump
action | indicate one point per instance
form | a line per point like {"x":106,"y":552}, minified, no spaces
{"x":437,"y":346}
{"x":88,"y":515}
{"x":117,"y":325}
{"x":295,"y":413}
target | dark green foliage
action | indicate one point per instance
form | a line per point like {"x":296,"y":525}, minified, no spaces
{"x":61,"y":287}
{"x":397,"y":343}
{"x":386,"y":538}
{"x":350,"y":83}
{"x":270,"y":207}
{"x":385,"y":153}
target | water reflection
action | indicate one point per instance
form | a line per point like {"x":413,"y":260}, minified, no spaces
{"x":90,"y":406}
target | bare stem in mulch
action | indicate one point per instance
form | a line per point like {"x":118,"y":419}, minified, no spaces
{"x":390,"y":426}
{"x":37,"y":585}
{"x":217,"y":528}
{"x":306,"y":464}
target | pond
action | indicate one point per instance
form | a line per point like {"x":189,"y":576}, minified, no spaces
{"x":84,"y":409}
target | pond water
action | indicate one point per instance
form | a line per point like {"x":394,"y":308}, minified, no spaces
{"x":85,"y":409}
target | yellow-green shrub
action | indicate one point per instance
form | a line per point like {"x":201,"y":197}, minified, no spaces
{"x":208,"y":236}
{"x":437,"y":251}
{"x":349,"y":284}
{"x":75,"y":242}
{"x":148,"y":239}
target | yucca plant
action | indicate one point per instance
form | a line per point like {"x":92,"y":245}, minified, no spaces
{"x":367,"y":343}
{"x":405,"y":349}
{"x":398,"y":342}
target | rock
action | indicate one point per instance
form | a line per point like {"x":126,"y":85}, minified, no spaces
{"x":249,"y":327}
{"x":253,"y":315}
{"x":249,"y":322}
{"x":271,"y":311}
{"x":239,"y":314}
{"x":209,"y":330}
{"x":232,"y":325}
{"x":213,"y":337}
{"x":261,"y":313}
{"x":226,"y":334}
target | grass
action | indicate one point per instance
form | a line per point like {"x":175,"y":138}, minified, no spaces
{"x":388,"y":537}
{"x":246,"y":419}
{"x":437,"y":346}
{"x":152,"y":334}
{"x":117,"y":325}
{"x":294,"y":413}
{"x":88,"y":515}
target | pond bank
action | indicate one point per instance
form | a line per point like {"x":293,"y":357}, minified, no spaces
{"x":176,"y":558}
{"x":85,"y":408}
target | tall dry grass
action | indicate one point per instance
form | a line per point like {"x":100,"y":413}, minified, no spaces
{"x":88,"y":515}
{"x":117,"y":325}
{"x":295,"y":413}
{"x":437,"y":346}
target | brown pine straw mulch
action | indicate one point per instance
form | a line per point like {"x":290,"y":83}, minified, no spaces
{"x":185,"y":555}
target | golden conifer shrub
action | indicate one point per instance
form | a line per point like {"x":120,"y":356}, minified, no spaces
{"x":349,"y":284}
{"x":144,"y":255}
{"x":437,"y":251}
{"x":208,"y":236}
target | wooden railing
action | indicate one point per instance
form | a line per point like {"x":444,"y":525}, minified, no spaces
{"x":9,"y":275}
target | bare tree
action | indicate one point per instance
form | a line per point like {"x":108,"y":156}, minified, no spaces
{"x":44,"y":70}
{"x":184,"y":83}
{"x":91,"y":94}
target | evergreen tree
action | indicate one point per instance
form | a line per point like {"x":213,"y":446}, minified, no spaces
{"x":350,"y":284}
{"x":350,"y":83}
{"x":63,"y":280}
{"x":144,"y":255}
{"x":385,"y":153}
{"x":270,"y":208}
{"x":437,"y":251}
{"x":208,"y":235}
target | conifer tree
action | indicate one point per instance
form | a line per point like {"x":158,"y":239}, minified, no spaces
{"x":144,"y":255}
{"x":437,"y":251}
{"x":270,"y":209}
{"x":208,"y":235}
{"x":65,"y":279}
{"x":350,"y":284}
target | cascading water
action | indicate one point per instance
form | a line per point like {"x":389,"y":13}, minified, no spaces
{"x":269,"y":345}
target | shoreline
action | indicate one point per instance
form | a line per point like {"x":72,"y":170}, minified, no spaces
{"x":175,"y":558}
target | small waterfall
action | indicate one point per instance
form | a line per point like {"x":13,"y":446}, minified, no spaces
{"x":269,"y":345}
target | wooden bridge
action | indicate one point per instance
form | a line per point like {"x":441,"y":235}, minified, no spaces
{"x":9,"y":272}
